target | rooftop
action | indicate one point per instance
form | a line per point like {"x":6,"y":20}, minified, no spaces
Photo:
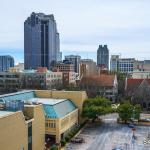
{"x":47,"y":101}
{"x":102,"y":80}
{"x":5,"y":113}
{"x":55,"y":108}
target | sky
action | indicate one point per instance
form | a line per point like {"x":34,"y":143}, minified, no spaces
{"x":124,"y":25}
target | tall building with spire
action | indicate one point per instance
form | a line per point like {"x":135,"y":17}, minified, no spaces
{"x":41,"y":41}
{"x":103,"y":56}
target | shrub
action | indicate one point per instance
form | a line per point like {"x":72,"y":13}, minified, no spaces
{"x":54,"y":147}
{"x":63,"y":142}
{"x":67,"y":139}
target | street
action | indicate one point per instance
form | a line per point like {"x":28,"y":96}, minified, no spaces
{"x":109,"y":135}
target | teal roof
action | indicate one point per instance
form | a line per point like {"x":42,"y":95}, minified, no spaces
{"x":5,"y":113}
{"x":56,"y":108}
{"x":24,"y":95}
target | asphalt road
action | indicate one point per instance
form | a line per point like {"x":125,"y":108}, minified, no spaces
{"x":109,"y":135}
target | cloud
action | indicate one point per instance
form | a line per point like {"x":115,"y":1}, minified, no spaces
{"x":83,"y":24}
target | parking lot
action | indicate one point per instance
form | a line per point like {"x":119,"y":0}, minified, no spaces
{"x":109,"y":135}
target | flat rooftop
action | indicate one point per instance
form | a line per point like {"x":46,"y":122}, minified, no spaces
{"x":5,"y":113}
{"x":47,"y":101}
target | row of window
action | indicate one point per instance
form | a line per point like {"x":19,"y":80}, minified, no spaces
{"x":51,"y":125}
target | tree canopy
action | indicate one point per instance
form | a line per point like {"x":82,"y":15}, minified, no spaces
{"x":127,"y":111}
{"x":94,"y":107}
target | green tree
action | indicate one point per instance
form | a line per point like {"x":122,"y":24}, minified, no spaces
{"x":137,"y":111}
{"x":54,"y":147}
{"x":125,"y":111}
{"x":94,"y":107}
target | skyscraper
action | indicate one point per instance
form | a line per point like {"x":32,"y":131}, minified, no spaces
{"x":6,"y":62}
{"x":103,"y":56}
{"x":41,"y":41}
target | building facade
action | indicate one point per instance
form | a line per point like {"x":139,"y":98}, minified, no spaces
{"x":39,"y":117}
{"x":141,"y":74}
{"x":22,"y":128}
{"x":114,"y":62}
{"x":103,"y":56}
{"x":139,"y":92}
{"x":6,"y":62}
{"x":41,"y":41}
{"x":30,"y":79}
{"x":64,"y":67}
{"x":75,"y":59}
{"x":9,"y":82}
{"x":126,"y":65}
{"x":88,"y":67}
{"x":103,"y":85}
{"x":142,"y":65}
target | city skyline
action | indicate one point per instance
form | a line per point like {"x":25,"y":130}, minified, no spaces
{"x":123,"y":26}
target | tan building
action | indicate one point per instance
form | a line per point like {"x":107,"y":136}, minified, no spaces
{"x":22,"y":130}
{"x":68,"y":78}
{"x":88,"y":67}
{"x":141,"y":74}
{"x":50,"y":114}
{"x":63,"y":67}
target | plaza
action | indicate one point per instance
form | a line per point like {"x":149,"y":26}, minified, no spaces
{"x":109,"y":135}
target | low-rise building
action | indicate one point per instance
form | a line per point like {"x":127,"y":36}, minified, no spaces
{"x":137,"y":74}
{"x":30,"y":79}
{"x":65,"y":67}
{"x":103,"y":85}
{"x":139,"y":91}
{"x":124,"y":65}
{"x":69,"y":78}
{"x":88,"y":68}
{"x":41,"y":114}
{"x":9,"y":82}
{"x":21,"y":128}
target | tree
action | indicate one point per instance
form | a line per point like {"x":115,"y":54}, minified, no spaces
{"x":125,"y":111}
{"x":94,"y":107}
{"x":54,"y":147}
{"x":137,"y":111}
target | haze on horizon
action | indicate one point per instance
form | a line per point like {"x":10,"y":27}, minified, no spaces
{"x":123,"y":25}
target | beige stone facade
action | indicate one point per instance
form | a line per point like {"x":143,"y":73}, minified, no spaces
{"x":14,"y":129}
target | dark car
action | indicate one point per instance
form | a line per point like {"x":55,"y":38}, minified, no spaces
{"x":131,"y":125}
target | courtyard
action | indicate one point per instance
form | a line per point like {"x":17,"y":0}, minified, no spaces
{"x":109,"y":135}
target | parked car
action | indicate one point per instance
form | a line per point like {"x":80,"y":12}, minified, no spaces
{"x":77,"y":140}
{"x":131,"y":125}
